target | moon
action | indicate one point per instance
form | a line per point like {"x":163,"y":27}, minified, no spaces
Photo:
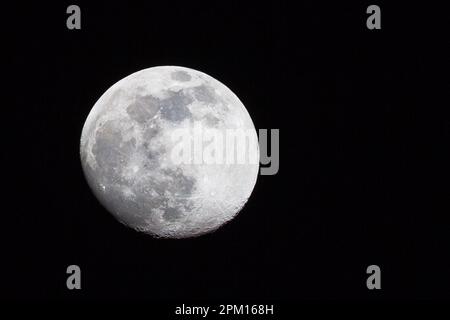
{"x":155,"y":150}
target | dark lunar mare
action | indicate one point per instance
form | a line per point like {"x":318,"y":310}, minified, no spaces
{"x":112,"y":154}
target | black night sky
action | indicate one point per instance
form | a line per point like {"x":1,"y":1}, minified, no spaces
{"x":364,"y":152}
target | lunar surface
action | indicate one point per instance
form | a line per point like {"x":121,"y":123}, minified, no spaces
{"x":133,"y":135}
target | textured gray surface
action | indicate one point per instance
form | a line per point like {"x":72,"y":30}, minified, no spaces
{"x":126,"y":145}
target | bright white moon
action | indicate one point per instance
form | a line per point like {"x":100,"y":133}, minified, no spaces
{"x":127,"y":152}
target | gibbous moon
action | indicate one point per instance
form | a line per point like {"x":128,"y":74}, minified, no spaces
{"x":151,"y":152}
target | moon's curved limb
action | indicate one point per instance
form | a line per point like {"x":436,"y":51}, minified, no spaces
{"x":127,"y":141}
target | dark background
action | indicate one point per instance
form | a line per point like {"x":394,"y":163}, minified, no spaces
{"x":364,"y":151}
